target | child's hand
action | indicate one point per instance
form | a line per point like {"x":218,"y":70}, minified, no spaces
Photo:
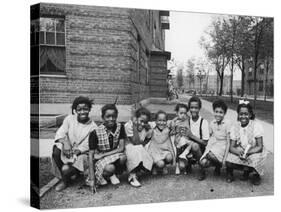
{"x":97,"y":156}
{"x":77,"y":152}
{"x":66,"y":149}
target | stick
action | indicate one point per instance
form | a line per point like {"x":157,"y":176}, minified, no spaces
{"x":92,"y":181}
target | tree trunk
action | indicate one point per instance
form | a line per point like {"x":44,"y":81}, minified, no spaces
{"x":243,"y":79}
{"x":231,"y":80}
{"x":221,"y":85}
{"x":266,"y":79}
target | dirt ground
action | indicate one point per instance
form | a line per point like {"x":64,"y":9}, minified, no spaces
{"x":168,"y":188}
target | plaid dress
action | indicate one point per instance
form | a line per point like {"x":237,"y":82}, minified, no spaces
{"x":243,"y":137}
{"x":103,"y":145}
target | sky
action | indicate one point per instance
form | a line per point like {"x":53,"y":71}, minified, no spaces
{"x":186,"y":29}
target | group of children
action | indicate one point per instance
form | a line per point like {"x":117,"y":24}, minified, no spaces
{"x":142,"y":145}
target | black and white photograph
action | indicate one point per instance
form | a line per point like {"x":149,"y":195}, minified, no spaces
{"x":134,"y":106}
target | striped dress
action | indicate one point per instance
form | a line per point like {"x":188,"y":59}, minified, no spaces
{"x":244,"y":136}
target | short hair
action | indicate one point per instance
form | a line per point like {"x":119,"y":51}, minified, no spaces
{"x":195,"y":99}
{"x":181,"y":105}
{"x":160,"y":112}
{"x":143,"y":111}
{"x":250,"y":109}
{"x":220,"y":104}
{"x":108,"y":107}
{"x":81,"y":100}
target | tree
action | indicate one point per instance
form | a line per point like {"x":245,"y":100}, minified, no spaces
{"x":179,"y":78}
{"x":201,"y":73}
{"x":230,"y":28}
{"x":267,"y":51}
{"x":242,"y":48}
{"x":190,"y":68}
{"x":259,"y":26}
{"x":217,"y":48}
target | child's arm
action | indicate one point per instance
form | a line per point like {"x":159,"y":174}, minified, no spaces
{"x":235,"y":150}
{"x":258,"y":148}
{"x":61,"y":137}
{"x":119,"y":149}
{"x":226,"y":148}
{"x":198,"y":140}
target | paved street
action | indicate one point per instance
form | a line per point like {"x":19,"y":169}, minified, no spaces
{"x":169,"y":187}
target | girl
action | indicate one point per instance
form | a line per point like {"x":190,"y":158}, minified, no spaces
{"x":107,"y":144}
{"x":139,"y":134}
{"x":71,"y":142}
{"x":217,"y":146}
{"x":246,"y":145}
{"x":160,"y":146}
{"x":181,"y":129}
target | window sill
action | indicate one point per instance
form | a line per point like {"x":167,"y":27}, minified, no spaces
{"x":49,"y":75}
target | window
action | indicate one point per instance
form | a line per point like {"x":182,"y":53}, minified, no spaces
{"x":48,"y":38}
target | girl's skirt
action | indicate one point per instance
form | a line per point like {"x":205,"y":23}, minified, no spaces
{"x":137,"y":154}
{"x":255,"y":161}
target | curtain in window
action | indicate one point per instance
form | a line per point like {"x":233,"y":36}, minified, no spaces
{"x":55,"y":54}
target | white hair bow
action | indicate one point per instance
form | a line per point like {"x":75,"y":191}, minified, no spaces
{"x":242,"y":101}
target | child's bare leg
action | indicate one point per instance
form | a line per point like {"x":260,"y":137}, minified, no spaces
{"x":182,"y":165}
{"x":213,"y":159}
{"x":169,"y":158}
{"x":205,"y":163}
{"x":109,"y":170}
{"x":160,"y":164}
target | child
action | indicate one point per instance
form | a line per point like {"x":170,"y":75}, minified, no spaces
{"x":107,"y":144}
{"x":200,"y":129}
{"x":71,"y":142}
{"x":160,"y":146}
{"x":181,"y":129}
{"x":246,"y":150}
{"x":217,"y":146}
{"x":139,"y":134}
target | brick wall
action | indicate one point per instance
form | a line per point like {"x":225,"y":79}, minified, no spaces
{"x":107,"y":54}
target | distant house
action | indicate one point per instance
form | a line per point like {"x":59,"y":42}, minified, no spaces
{"x":264,"y":80}
{"x":100,"y":52}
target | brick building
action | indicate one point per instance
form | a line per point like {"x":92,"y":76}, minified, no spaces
{"x":100,"y":52}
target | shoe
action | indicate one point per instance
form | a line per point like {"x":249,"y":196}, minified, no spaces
{"x":202,"y":175}
{"x":178,"y":170}
{"x":217,"y":171}
{"x":245,"y":176}
{"x":103,"y":182}
{"x":61,"y":186}
{"x":154,"y":171}
{"x":256,"y":179}
{"x":114,"y":180}
{"x":134,"y":181}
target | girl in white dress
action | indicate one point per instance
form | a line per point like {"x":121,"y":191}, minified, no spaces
{"x":246,"y":150}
